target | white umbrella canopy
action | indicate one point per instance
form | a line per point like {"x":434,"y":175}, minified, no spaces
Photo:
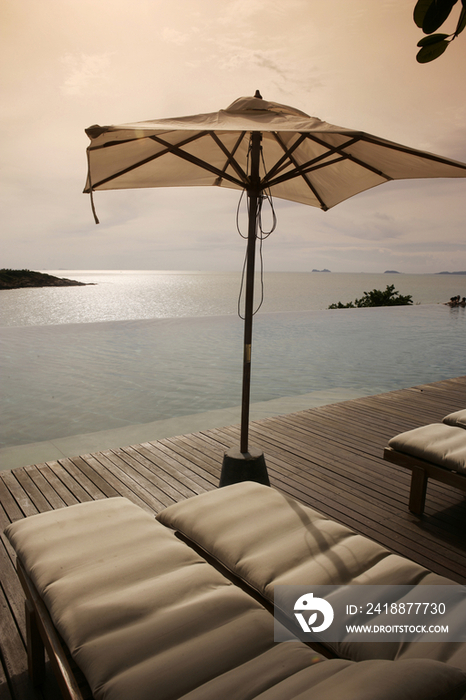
{"x":265,"y":149}
{"x":303,"y":158}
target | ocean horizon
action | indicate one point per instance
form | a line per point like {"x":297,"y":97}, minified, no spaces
{"x":122,"y":295}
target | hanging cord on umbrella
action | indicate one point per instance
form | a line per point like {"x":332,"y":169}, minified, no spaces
{"x":261,"y":234}
{"x":96,"y":218}
{"x":91,"y":191}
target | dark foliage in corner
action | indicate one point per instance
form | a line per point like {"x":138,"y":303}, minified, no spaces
{"x":429,"y":15}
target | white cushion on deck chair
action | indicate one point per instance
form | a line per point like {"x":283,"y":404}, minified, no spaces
{"x":267,"y":538}
{"x":458,"y":418}
{"x":440,"y":444}
{"x":146,"y":617}
{"x":143,"y":615}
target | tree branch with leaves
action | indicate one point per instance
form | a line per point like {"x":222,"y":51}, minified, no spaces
{"x":429,"y":15}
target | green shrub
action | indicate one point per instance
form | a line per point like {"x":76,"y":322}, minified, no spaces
{"x":388,"y":297}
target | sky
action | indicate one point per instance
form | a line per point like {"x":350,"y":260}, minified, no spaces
{"x":68,"y":64}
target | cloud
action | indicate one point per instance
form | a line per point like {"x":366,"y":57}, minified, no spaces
{"x":86,"y":74}
{"x":174,"y":36}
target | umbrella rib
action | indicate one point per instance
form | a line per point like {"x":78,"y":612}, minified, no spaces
{"x":128,"y":169}
{"x":231,"y":160}
{"x":168,"y":148}
{"x":299,"y":171}
{"x":347,"y":156}
{"x":281,"y":163}
{"x":314,"y":164}
{"x":414,"y":152}
{"x":303,"y":170}
{"x":342,"y":152}
{"x":177,"y":151}
{"x":123,"y":142}
{"x":308,"y":166}
{"x":394,"y":147}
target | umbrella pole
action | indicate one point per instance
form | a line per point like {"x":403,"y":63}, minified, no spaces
{"x":248,"y":464}
{"x":253,"y":197}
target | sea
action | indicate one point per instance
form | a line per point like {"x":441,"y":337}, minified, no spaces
{"x":135,"y":347}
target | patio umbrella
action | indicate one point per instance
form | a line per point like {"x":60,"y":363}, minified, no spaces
{"x":265,"y":149}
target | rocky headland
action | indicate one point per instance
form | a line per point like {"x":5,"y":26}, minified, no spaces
{"x":16,"y":279}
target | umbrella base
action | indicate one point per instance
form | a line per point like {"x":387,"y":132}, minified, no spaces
{"x":238,"y":466}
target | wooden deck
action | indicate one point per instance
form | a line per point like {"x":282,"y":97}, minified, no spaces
{"x":328,"y":457}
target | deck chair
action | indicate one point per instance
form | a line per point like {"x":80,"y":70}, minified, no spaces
{"x":436,"y":451}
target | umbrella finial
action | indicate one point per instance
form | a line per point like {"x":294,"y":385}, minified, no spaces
{"x":258,"y":95}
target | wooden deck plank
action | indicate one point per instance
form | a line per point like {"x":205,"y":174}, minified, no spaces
{"x":182,"y":457}
{"x":172,"y":470}
{"x":329,"y":458}
{"x":124,"y":480}
{"x":190,"y":450}
{"x":63,"y":470}
{"x":9,"y":503}
{"x":180,"y":485}
{"x":24,"y":503}
{"x":50,"y":487}
{"x":89,"y":478}
{"x":155,"y":482}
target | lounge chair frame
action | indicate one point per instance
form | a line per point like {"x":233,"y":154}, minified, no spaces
{"x":421,"y":471}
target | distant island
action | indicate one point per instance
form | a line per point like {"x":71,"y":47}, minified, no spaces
{"x":16,"y":279}
{"x":320,"y":270}
{"x":391,"y":272}
{"x":463,"y":272}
